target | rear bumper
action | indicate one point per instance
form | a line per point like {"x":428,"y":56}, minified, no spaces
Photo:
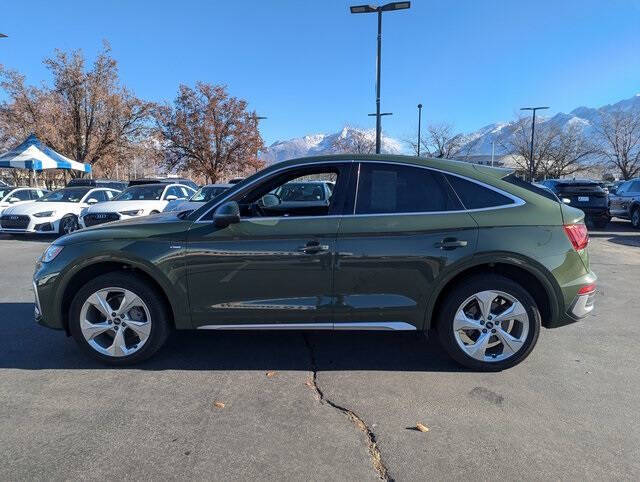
{"x":582,"y":305}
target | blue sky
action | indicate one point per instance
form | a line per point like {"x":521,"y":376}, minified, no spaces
{"x":310,"y":65}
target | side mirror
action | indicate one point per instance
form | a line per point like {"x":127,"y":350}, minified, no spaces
{"x":14,"y":200}
{"x":270,"y":200}
{"x":92,"y":200}
{"x":226,"y":214}
{"x":171,"y":197}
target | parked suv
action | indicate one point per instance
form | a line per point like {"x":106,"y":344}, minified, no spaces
{"x":585,"y":195}
{"x":624,"y":202}
{"x":468,"y":252}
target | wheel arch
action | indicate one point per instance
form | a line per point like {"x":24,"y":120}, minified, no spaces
{"x":99,"y":267}
{"x":533,"y":277}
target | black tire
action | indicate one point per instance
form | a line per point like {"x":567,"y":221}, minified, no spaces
{"x":69,"y":218}
{"x":467,"y":289}
{"x":635,"y":217}
{"x":160,"y":326}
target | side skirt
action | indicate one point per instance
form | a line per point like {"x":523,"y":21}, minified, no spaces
{"x":363,"y":326}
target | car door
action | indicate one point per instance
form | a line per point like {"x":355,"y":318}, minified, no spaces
{"x":619,"y":202}
{"x":407,"y":227}
{"x":273,"y":269}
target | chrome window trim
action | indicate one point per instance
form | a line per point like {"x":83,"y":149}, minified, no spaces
{"x":517,"y":202}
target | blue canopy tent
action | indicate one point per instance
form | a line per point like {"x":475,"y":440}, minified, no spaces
{"x":35,"y":156}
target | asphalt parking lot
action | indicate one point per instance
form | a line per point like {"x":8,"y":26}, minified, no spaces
{"x":324,"y":406}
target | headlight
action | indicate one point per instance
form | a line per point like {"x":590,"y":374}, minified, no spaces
{"x":44,"y":214}
{"x":566,"y":200}
{"x":135,"y":212}
{"x":51,"y":252}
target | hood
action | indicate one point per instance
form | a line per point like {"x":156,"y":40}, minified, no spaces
{"x":38,"y":207}
{"x":119,"y":206}
{"x":156,"y":225}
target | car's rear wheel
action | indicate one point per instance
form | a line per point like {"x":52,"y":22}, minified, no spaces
{"x":489,"y":323}
{"x":68,"y":224}
{"x":635,"y":217}
{"x":119,"y":319}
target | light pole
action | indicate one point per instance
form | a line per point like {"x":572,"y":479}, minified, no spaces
{"x":389,"y":7}
{"x":533,"y":129}
{"x":419,"y":122}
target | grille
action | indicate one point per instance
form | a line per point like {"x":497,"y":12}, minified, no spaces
{"x":14,"y":221}
{"x":100,"y":218}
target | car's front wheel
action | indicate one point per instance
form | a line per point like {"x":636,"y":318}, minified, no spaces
{"x":68,"y":224}
{"x":489,"y":323}
{"x":119,"y":319}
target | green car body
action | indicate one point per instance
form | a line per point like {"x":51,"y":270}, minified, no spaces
{"x":374,"y":271}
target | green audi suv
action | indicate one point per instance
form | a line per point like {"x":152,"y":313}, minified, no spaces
{"x":469,"y":253}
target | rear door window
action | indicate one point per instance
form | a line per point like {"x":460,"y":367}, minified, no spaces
{"x":388,"y":188}
{"x":475,"y":196}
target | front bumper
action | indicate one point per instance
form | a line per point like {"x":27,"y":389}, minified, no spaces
{"x":33,"y":225}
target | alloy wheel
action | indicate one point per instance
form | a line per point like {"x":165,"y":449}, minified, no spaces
{"x":69,"y":225}
{"x":635,"y":218}
{"x":491,"y":326}
{"x":115,"y":322}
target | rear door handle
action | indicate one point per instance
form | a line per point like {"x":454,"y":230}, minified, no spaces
{"x":451,"y":243}
{"x":313,"y":247}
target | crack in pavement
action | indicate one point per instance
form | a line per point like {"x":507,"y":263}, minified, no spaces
{"x":374,"y":451}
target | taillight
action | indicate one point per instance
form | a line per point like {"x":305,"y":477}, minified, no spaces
{"x":578,"y":235}
{"x":586,"y":289}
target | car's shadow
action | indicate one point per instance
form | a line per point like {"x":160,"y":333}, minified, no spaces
{"x":618,"y":232}
{"x":28,"y":346}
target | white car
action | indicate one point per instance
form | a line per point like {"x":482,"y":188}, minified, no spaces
{"x":55,"y":213}
{"x":138,"y":200}
{"x":203,"y":195}
{"x":13,"y":196}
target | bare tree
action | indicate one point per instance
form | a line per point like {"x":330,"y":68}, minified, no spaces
{"x":355,"y":141}
{"x":86,"y":114}
{"x":209,"y":132}
{"x":442,"y":142}
{"x":569,"y":152}
{"x":618,"y":134}
{"x":518,"y":144}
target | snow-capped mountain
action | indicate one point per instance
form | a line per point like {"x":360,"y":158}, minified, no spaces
{"x":481,"y":141}
{"x":318,"y":144}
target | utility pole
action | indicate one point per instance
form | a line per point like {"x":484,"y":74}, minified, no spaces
{"x":419,"y":122}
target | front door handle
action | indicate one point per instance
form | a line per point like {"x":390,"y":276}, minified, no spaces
{"x":313,"y":247}
{"x":451,"y":243}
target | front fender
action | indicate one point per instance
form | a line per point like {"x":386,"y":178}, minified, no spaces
{"x":156,"y":259}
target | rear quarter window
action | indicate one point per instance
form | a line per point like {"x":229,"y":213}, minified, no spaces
{"x":475,"y":196}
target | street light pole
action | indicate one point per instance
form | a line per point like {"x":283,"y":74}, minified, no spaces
{"x":533,"y":129}
{"x":419,"y":122}
{"x":379,"y":10}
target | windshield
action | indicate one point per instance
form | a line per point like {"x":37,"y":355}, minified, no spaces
{"x":4,"y":192}
{"x":69,"y":195}
{"x":149,"y":192}
{"x":207,"y":193}
{"x":307,"y":191}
